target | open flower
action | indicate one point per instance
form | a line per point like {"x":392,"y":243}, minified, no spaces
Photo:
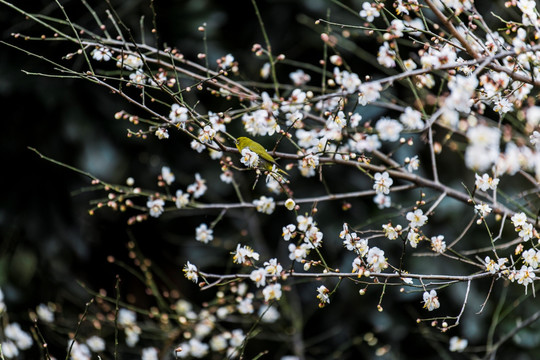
{"x":431,"y":301}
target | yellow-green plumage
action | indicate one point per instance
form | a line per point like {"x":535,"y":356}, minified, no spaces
{"x":265,"y":159}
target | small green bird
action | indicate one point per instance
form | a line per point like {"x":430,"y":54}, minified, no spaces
{"x":266,"y":160}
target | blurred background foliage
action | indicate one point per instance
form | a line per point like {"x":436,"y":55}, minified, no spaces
{"x":50,"y":243}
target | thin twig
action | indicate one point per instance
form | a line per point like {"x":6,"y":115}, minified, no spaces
{"x":491,"y":354}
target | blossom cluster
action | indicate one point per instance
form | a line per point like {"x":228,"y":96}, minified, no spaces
{"x":342,"y":133}
{"x":15,"y":339}
{"x":310,"y":237}
{"x":472,"y":93}
{"x":207,"y":336}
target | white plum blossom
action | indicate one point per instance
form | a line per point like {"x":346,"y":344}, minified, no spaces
{"x":345,"y":232}
{"x":249,"y":158}
{"x":295,"y":102}
{"x":198,"y":188}
{"x":214,"y":154}
{"x":313,"y":237}
{"x":359,"y":246}
{"x":269,"y":314}
{"x":206,"y":324}
{"x":272,"y":291}
{"x":528,"y":8}
{"x":197,"y":348}
{"x":369,"y":92}
{"x":299,"y":77}
{"x":44,"y":312}
{"x":130,"y":62}
{"x":502,"y":105}
{"x":304,"y":222}
{"x":369,"y":12}
{"x":191,"y":272}
{"x":533,"y":116}
{"x":237,"y":338}
{"x":167,"y":175}
{"x":95,"y":343}
{"x":260,"y":122}
{"x":382,"y":201}
{"x":414,"y":238}
{"x":482,"y":209}
{"x":486,"y":182}
{"x":438,"y":244}
{"x":358,"y":266}
{"x":386,"y":56}
{"x":535,"y":140}
{"x":336,"y":122}
{"x":21,"y":338}
{"x":416,"y":24}
{"x":308,"y":164}
{"x":101,"y":54}
{"x":244,"y":255}
{"x":218,"y":122}
{"x":178,"y":114}
{"x":462,"y":90}
{"x":265,"y":205}
{"x":272,"y":267}
{"x":290,"y":204}
{"x":204,"y":234}
{"x":395,"y":30}
{"x":495,"y":266}
{"x":155,"y":206}
{"x":355,"y":120}
{"x":485,"y":136}
{"x":388,"y":129}
{"x":258,"y":276}
{"x":206,"y":135}
{"x":391,"y":232}
{"x":197,"y":146}
{"x":431,"y":301}
{"x":483,"y":150}
{"x":525,"y":276}
{"x":149,"y":353}
{"x":375,"y":258}
{"x":219,"y":342}
{"x":412,"y":163}
{"x":127,"y":317}
{"x":382,"y":183}
{"x":323,"y":294}
{"x":79,"y":351}
{"x":138,"y":77}
{"x":531,"y":257}
{"x":265,"y":70}
{"x":227,"y":176}
{"x":409,"y":65}
{"x":288,"y":232}
{"x":458,"y":344}
{"x":401,"y":8}
{"x":226,"y":61}
{"x":298,"y":253}
{"x":412,"y":119}
{"x":9,"y":349}
{"x":416,"y":218}
{"x":182,"y":199}
{"x":365,"y":143}
{"x":162,"y":133}
{"x":519,"y":219}
{"x":526,"y":232}
{"x":348,"y":81}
